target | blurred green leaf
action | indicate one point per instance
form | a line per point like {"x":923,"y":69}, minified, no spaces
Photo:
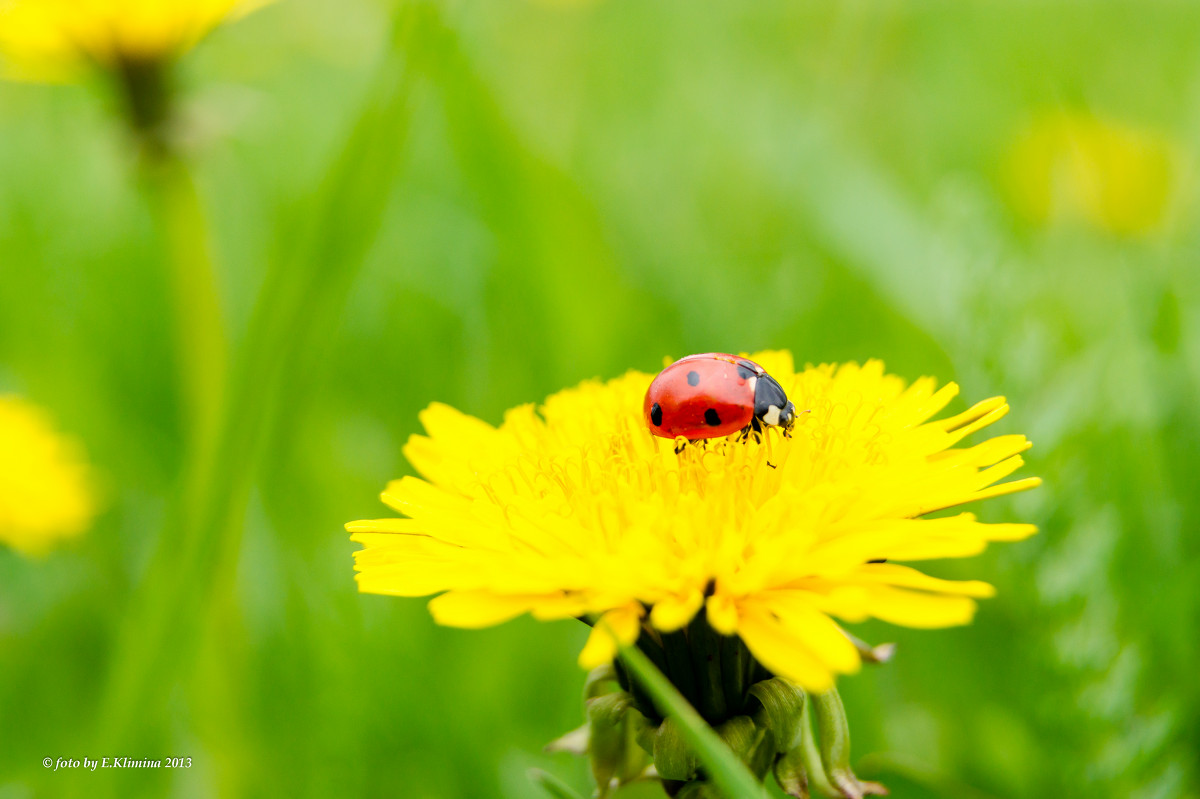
{"x":553,"y":786}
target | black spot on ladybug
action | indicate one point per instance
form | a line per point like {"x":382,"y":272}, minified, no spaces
{"x":711,"y":418}
{"x":745,"y":372}
{"x":693,"y":378}
{"x":656,"y":414}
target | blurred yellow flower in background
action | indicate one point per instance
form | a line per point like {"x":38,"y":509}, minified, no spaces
{"x":46,"y":493}
{"x":574,"y":509}
{"x":1072,"y":166}
{"x":55,"y":39}
{"x":135,"y":42}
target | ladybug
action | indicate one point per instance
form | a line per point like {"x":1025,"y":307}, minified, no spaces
{"x":713,"y":395}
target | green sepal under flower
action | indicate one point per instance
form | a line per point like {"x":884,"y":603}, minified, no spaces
{"x":782,"y":710}
{"x":791,"y":773}
{"x":821,"y":761}
{"x":751,"y":741}
{"x":778,"y":736}
{"x":834,"y":749}
{"x":610,"y":736}
{"x":673,"y":756}
{"x":614,"y":724}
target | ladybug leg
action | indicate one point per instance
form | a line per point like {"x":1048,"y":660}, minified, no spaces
{"x":680,"y":445}
{"x":754,"y":428}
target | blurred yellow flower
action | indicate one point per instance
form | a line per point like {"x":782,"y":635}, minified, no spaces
{"x":574,"y":509}
{"x":53,"y":39}
{"x":45,"y":490}
{"x":1074,"y":166}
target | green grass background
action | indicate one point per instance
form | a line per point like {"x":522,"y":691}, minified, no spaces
{"x":506,"y":198}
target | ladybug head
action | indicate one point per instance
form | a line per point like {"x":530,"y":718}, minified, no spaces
{"x":787,"y":418}
{"x":771,"y":405}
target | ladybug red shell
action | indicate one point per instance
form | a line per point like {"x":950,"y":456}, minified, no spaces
{"x":713,"y":395}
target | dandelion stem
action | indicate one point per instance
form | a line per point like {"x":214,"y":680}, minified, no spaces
{"x":200,"y":329}
{"x":147,"y":90}
{"x":729,"y":774}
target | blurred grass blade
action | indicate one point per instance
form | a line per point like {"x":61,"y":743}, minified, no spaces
{"x":552,"y":785}
{"x":728,"y":773}
{"x":547,"y":231}
{"x":197,"y":554}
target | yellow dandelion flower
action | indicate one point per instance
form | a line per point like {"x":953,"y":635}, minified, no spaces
{"x":45,"y":490}
{"x":1076,"y":167}
{"x":54,"y":39}
{"x":575,"y":510}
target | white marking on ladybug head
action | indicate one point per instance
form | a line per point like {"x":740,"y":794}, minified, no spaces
{"x":772,"y":415}
{"x":752,"y":382}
